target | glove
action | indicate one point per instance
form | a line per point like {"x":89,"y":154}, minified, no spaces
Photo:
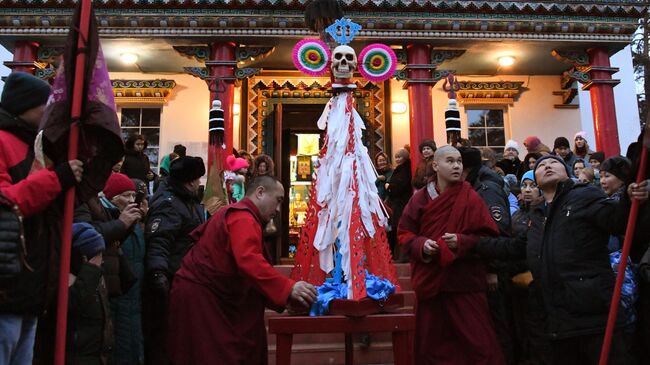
{"x":159,"y":283}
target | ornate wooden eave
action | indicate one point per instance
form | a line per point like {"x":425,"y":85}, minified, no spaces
{"x":489,"y":92}
{"x":600,"y":21}
{"x":142,"y":91}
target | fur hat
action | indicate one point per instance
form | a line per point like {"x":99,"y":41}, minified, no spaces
{"x":186,"y":169}
{"x":236,"y":163}
{"x":471,"y":157}
{"x":581,"y":134}
{"x":532,"y":142}
{"x":555,"y":157}
{"x":561,"y":142}
{"x":512,"y":144}
{"x":619,"y":166}
{"x":87,"y":240}
{"x":428,"y":143}
{"x":22,"y":92}
{"x":117,"y":184}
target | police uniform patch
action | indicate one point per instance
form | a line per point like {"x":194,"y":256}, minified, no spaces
{"x":496,"y":212}
{"x":155,"y":224}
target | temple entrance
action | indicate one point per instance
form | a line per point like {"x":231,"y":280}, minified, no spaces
{"x":298,"y":141}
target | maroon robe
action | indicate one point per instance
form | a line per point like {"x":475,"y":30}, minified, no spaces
{"x":216,"y":313}
{"x":453,"y":318}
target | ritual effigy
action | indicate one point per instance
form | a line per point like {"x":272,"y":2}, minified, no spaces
{"x":343,"y":246}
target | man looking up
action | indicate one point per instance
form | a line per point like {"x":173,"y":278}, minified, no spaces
{"x":453,"y":319}
{"x":225,"y":282}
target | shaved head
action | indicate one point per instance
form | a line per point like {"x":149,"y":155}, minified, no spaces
{"x":443,"y":151}
{"x":267,"y":182}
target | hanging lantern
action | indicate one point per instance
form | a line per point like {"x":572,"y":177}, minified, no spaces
{"x":452,"y":115}
{"x":214,"y":197}
{"x":216,"y":124}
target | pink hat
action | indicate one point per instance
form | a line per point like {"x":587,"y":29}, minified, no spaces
{"x":235,"y":164}
{"x":581,"y":134}
{"x":117,"y":184}
{"x":532,"y":142}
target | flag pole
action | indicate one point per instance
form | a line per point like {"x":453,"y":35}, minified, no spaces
{"x":68,"y":212}
{"x":627,"y":244}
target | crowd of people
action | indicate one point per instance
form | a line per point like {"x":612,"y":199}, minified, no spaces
{"x":513,"y":260}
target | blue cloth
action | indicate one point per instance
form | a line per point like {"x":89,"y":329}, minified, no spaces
{"x":17,"y":334}
{"x":376,"y":288}
{"x":629,"y":293}
{"x":514,"y":204}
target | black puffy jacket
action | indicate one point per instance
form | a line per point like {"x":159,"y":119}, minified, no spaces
{"x":566,"y":250}
{"x":173,"y":214}
{"x":489,"y":185}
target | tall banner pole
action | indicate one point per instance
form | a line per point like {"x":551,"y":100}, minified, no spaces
{"x":68,"y":212}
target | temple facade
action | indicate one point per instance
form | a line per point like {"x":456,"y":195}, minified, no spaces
{"x":522,"y":68}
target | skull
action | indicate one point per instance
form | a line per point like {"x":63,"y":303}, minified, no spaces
{"x":344,"y":62}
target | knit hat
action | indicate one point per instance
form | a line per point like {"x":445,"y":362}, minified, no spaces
{"x":180,"y":150}
{"x":555,"y":157}
{"x":87,"y":240}
{"x":186,"y":169}
{"x":532,"y":142}
{"x":561,"y":142}
{"x":428,"y":143}
{"x":581,"y":134}
{"x":528,"y":175}
{"x":236,"y":163}
{"x":512,"y":144}
{"x":619,"y":166}
{"x":598,"y":156}
{"x":22,"y":92}
{"x":117,"y":184}
{"x":471,"y":157}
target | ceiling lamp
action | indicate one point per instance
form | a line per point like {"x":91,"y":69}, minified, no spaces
{"x":129,"y":58}
{"x":506,"y":61}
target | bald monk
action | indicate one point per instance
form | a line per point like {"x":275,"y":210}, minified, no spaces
{"x":225,"y":282}
{"x":453,"y":320}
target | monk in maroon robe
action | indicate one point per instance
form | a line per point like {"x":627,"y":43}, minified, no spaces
{"x":217,"y":302}
{"x":453,"y":318}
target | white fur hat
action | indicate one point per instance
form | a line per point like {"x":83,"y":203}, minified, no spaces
{"x":512,"y":144}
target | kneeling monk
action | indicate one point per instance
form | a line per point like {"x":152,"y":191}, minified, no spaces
{"x":453,"y":318}
{"x":216,"y":313}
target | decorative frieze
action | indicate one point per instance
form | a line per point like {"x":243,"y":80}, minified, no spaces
{"x":489,"y":92}
{"x":142,"y":91}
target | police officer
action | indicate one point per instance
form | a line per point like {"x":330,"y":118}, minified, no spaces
{"x":175,"y":211}
{"x":489,"y":185}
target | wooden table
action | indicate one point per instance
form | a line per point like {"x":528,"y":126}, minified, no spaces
{"x":402,"y":326}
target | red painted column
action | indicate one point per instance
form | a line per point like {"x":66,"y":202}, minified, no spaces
{"x":25,"y":56}
{"x":420,"y":99}
{"x":603,"y":106}
{"x":222,"y":66}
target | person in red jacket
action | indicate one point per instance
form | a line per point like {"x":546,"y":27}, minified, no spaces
{"x":218,"y":296}
{"x":23,"y":295}
{"x":453,"y":324}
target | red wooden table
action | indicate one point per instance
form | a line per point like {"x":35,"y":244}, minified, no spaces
{"x":402,"y":326}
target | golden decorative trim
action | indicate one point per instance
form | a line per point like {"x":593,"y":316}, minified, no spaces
{"x":483,"y":101}
{"x":142,"y":91}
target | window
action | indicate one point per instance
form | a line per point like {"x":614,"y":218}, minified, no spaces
{"x":486,"y":129}
{"x":145,"y":121}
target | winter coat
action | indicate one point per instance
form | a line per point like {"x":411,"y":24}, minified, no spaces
{"x":566,"y":250}
{"x":570,"y":159}
{"x":173,"y":214}
{"x":126,"y":310}
{"x":510,"y":167}
{"x":399,"y":191}
{"x":34,"y":190}
{"x":136,"y":164}
{"x":489,"y":185}
{"x":422,"y":173}
{"x":90,"y":332}
{"x":381,"y":185}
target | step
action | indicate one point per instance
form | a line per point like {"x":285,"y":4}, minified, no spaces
{"x":334,"y":354}
{"x":334,"y":338}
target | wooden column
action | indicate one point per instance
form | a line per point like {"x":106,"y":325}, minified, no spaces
{"x":420,"y":99}
{"x":25,"y":57}
{"x":221,"y":67}
{"x":603,"y":106}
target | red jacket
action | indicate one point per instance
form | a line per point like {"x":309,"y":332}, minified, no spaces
{"x":33,"y":189}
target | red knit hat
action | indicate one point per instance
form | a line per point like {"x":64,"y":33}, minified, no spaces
{"x":117,"y":184}
{"x":532,"y":142}
{"x":236,"y":164}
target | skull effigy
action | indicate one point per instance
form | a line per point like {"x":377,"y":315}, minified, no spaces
{"x":344,"y":62}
